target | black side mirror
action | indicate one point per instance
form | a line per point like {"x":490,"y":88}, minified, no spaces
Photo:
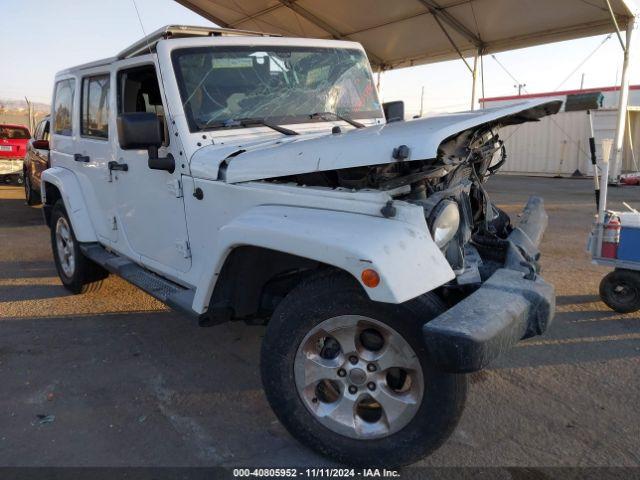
{"x":138,"y":130}
{"x":40,"y":144}
{"x":393,"y":111}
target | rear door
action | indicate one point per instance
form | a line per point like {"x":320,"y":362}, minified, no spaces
{"x":81,"y":137}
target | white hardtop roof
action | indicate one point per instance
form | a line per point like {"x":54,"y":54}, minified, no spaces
{"x":402,"y":33}
{"x":148,"y":43}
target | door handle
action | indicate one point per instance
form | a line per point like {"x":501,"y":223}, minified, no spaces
{"x":81,"y":158}
{"x":113,"y":165}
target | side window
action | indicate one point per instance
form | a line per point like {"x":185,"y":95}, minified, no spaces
{"x":94,"y":120}
{"x":139,"y":91}
{"x":42,"y":131}
{"x":38,"y":133}
{"x":63,"y":107}
{"x":45,"y":130}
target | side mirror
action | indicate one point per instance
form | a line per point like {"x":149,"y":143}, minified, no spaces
{"x":393,"y":111}
{"x":139,"y":130}
{"x":40,"y":144}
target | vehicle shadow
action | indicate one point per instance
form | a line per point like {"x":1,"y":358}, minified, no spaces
{"x":17,"y":293}
{"x":150,"y":376}
{"x":15,"y":212}
{"x":27,"y":269}
{"x":562,"y":300}
{"x":576,"y":337}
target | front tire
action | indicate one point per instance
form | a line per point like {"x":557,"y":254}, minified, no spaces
{"x":77,"y":273}
{"x":351,"y":379}
{"x":620,"y":290}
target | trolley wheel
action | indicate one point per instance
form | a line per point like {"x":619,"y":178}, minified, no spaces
{"x":620,"y":290}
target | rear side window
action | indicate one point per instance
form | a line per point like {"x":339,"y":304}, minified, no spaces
{"x":38,"y":133}
{"x":63,"y":107}
{"x":14,"y":133}
{"x":42,"y":131}
{"x":95,"y":107}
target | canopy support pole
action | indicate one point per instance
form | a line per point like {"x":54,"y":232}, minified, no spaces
{"x":474,"y":75}
{"x":439,"y":12}
{"x":614,"y":20}
{"x":623,"y":103}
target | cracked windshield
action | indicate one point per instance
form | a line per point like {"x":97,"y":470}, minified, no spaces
{"x":225,"y":86}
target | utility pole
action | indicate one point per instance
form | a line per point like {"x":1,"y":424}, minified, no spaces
{"x":520,"y":87}
{"x":582,"y":82}
{"x":30,"y":114}
{"x":422,"y":102}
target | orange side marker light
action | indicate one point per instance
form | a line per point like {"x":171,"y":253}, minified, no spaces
{"x":370,"y":278}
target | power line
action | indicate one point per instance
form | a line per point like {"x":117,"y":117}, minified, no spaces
{"x":505,"y":70}
{"x":583,"y":62}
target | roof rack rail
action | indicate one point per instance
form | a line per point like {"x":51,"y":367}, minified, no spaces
{"x":149,"y":42}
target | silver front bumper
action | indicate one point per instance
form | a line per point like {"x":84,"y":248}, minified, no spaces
{"x":11,"y":166}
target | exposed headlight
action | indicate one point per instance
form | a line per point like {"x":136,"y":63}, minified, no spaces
{"x":444,"y":222}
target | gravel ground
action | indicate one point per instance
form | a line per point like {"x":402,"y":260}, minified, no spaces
{"x":113,"y":378}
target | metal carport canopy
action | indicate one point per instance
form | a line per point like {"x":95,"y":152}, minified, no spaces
{"x":401,"y":33}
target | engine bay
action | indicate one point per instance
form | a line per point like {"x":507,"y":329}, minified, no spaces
{"x":468,"y":228}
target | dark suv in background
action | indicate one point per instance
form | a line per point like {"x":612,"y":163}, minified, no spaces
{"x":36,"y":161}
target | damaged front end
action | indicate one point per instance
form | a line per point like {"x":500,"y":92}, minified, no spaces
{"x":497,"y":297}
{"x":512,"y":303}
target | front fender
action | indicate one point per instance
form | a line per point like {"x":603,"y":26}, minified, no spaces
{"x":406,"y":258}
{"x":67,"y":184}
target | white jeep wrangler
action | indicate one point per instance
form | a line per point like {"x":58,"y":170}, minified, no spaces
{"x":240,"y":176}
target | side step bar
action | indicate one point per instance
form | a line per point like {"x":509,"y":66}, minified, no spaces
{"x":168,"y":292}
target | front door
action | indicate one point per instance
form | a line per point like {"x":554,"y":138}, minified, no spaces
{"x":149,"y":203}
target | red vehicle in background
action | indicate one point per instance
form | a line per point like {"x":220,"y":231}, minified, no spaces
{"x":13,"y":148}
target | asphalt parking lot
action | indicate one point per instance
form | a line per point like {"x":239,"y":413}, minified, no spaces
{"x":113,"y":378}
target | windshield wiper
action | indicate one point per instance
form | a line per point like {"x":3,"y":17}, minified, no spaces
{"x":324,"y":115}
{"x":249,"y":122}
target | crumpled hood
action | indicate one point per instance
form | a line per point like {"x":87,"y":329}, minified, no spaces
{"x":354,"y":148}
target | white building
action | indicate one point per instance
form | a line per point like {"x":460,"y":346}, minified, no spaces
{"x":559,"y":144}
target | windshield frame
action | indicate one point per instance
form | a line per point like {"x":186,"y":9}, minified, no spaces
{"x":276,"y":119}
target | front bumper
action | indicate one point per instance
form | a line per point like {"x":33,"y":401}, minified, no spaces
{"x":513,"y":304}
{"x":11,"y":166}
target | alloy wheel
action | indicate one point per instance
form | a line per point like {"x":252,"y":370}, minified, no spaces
{"x":358,"y":377}
{"x":64,"y":245}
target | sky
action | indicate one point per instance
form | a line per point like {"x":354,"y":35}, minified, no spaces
{"x":40,"y":37}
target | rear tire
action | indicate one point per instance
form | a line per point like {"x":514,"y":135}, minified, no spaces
{"x":620,"y":290}
{"x":32,"y":197}
{"x":365,"y":413}
{"x":77,"y":273}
